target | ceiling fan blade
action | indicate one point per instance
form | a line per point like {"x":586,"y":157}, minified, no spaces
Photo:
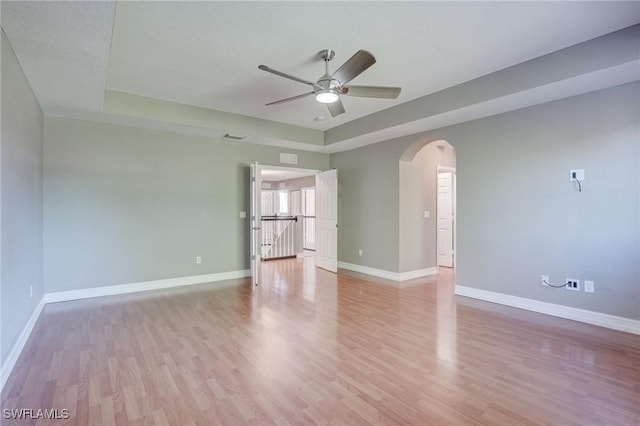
{"x":293,"y":98}
{"x":281,"y":74}
{"x":371,"y":91}
{"x":354,"y":66}
{"x":336,"y":108}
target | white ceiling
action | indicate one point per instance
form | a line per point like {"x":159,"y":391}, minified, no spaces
{"x":277,"y":174}
{"x":63,"y":48}
{"x":206,"y":53}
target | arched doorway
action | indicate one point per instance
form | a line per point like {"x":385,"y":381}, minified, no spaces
{"x":427,"y":207}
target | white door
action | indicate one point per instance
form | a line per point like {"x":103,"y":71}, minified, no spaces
{"x":255,"y":222}
{"x":327,"y":220}
{"x":445,"y":219}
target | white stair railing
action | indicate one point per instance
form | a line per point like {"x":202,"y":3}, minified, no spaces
{"x":278,"y":237}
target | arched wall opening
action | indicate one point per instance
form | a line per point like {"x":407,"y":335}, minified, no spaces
{"x":419,"y":170}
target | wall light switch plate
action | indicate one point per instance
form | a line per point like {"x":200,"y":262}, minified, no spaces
{"x":589,"y":287}
{"x":427,"y":213}
{"x":243,"y":215}
{"x":545,"y":280}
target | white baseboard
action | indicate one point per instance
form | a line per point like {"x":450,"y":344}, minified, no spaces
{"x":427,"y":272}
{"x":16,"y":350}
{"x":394,"y":276}
{"x":85,"y":293}
{"x":595,"y":318}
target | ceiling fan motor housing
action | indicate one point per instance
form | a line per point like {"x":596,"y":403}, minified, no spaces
{"x":327,"y":54}
{"x":326,"y":82}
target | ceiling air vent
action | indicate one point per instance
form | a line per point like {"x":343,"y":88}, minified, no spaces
{"x":288,"y":158}
{"x":234,"y":137}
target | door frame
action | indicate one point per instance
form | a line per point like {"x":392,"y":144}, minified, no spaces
{"x":454,"y":214}
{"x":255,"y":196}
{"x":255,"y":233}
{"x":312,"y":172}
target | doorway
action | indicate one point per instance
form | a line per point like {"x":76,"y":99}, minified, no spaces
{"x":282,"y":219}
{"x":427,"y":179}
{"x":445,"y":217}
{"x":285,"y":221}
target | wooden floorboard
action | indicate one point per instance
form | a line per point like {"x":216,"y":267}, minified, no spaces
{"x":312,"y":347}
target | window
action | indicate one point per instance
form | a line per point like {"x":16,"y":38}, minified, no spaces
{"x":283,"y":202}
{"x":268,"y":203}
{"x":295,"y":203}
{"x":309,"y":201}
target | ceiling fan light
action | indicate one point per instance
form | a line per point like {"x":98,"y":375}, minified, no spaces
{"x":327,"y":96}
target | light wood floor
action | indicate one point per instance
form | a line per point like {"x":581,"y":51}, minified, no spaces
{"x":313,"y":347}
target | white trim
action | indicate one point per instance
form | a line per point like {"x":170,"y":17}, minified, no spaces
{"x":16,"y":350}
{"x":444,"y":169}
{"x":419,"y":273}
{"x":369,"y":271}
{"x":393,"y":276}
{"x":312,"y":172}
{"x":85,"y":293}
{"x":590,"y":317}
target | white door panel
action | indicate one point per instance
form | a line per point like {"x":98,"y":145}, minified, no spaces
{"x":445,"y":219}
{"x":326,"y":220}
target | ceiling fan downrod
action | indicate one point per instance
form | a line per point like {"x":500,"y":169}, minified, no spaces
{"x":327,"y":55}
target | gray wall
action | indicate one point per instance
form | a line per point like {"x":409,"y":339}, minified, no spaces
{"x":21,"y":188}
{"x":418,"y":193}
{"x":368,"y":206}
{"x":518,"y":214}
{"x":124,"y":205}
{"x":520,"y":217}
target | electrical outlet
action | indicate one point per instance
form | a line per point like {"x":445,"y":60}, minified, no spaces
{"x":359,"y":252}
{"x":589,"y":287}
{"x":545,"y":280}
{"x":198,"y":259}
{"x":572,"y":284}
{"x":576,"y":174}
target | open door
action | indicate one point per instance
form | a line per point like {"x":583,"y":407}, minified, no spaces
{"x":327,"y":220}
{"x":445,"y":219}
{"x":255,"y":222}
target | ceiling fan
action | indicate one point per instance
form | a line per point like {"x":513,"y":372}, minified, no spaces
{"x":329,"y":87}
